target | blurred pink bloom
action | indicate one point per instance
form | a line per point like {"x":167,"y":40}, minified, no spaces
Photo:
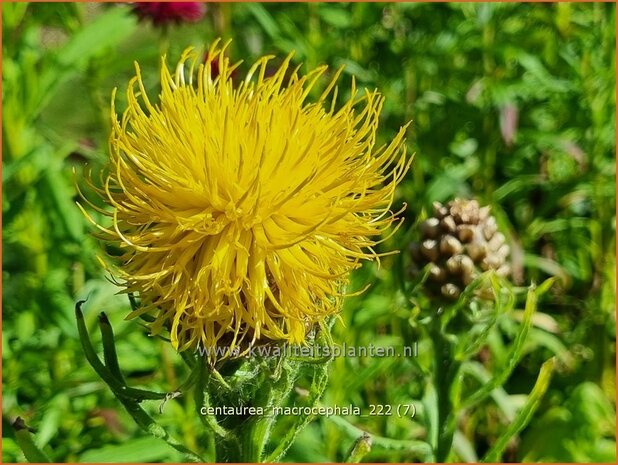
{"x":163,"y":13}
{"x":509,"y":116}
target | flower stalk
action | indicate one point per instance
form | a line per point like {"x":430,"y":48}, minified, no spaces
{"x":446,"y":374}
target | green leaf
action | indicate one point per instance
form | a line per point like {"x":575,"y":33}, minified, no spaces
{"x":129,"y":397}
{"x":202,"y":400}
{"x":109,"y":346}
{"x":582,"y":429}
{"x":54,"y":186}
{"x":524,"y":415}
{"x":549,"y":266}
{"x":515,"y":353}
{"x":450,"y":181}
{"x":146,"y":449}
{"x":470,"y":343}
{"x":336,"y":17}
{"x":118,"y":387}
{"x":11,"y":452}
{"x":465,"y":148}
{"x":318,"y":385}
{"x":24,"y":440}
{"x":464,"y":448}
{"x":518,"y":185}
{"x":149,"y":425}
{"x":499,"y":395}
{"x":12,"y":14}
{"x":264,"y":18}
{"x":107,"y":30}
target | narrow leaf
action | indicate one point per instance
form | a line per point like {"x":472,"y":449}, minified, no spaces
{"x":117,"y":386}
{"x":524,"y":415}
{"x":513,"y":356}
{"x":109,"y":347}
{"x":24,"y":441}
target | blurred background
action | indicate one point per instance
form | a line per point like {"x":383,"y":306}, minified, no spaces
{"x":513,"y":104}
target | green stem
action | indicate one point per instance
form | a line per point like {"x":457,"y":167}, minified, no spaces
{"x":318,"y":386}
{"x":446,"y":370}
{"x":275,"y":388}
{"x":254,"y":439}
{"x":202,"y":401}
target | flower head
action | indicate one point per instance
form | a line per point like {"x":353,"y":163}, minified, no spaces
{"x":242,"y":209}
{"x":460,"y":240}
{"x":163,"y":13}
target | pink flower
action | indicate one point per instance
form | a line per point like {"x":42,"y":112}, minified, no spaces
{"x":509,"y":116}
{"x":163,"y":13}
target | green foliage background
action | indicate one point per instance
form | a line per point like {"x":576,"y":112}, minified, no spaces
{"x":511,"y":103}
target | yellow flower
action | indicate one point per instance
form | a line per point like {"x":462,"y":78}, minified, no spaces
{"x":241,"y":209}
